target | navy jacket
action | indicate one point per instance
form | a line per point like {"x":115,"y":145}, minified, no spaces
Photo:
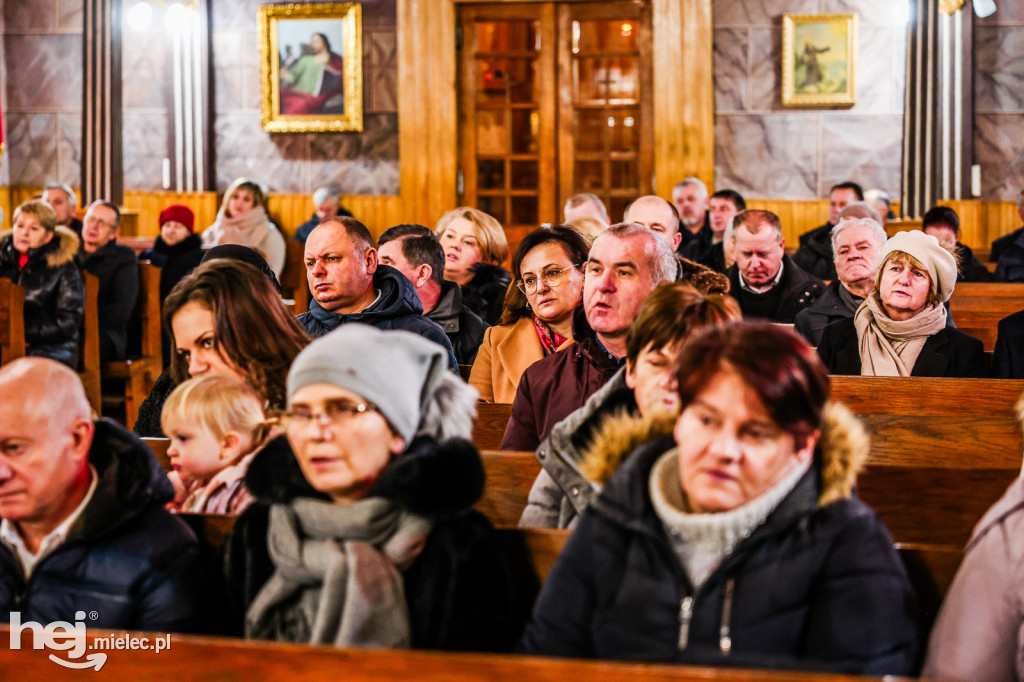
{"x":126,"y":558}
{"x":397,"y":308}
{"x":948,"y":353}
{"x":813,"y":587}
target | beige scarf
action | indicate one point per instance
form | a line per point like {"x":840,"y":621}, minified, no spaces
{"x":889,"y":348}
{"x":249,"y":229}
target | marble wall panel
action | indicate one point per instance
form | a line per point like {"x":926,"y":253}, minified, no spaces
{"x":731,"y":59}
{"x":1007,"y":12}
{"x":38,"y":15}
{"x":872,"y":12}
{"x":235,"y":14}
{"x":228,"y":88}
{"x":69,"y":148}
{"x":765,"y":83}
{"x":32,"y":144}
{"x":865,"y":149}
{"x":70,"y":14}
{"x":144,"y":138}
{"x":767,"y":156}
{"x":999,"y":69}
{"x":999,"y":150}
{"x":48,"y":73}
{"x":146,"y":68}
{"x":873,"y":75}
{"x":729,"y":13}
{"x":281,"y":162}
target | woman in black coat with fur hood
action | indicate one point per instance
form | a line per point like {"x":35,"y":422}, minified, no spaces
{"x":376,"y":499}
{"x":40,"y":257}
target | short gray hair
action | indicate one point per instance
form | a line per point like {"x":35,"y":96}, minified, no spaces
{"x":660,"y":258}
{"x":873,"y":195}
{"x":692,"y":181}
{"x":580,"y":199}
{"x":322,"y":194}
{"x":877,"y":230}
{"x":72,"y":198}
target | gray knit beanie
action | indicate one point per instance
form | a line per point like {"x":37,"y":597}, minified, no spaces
{"x":397,"y":371}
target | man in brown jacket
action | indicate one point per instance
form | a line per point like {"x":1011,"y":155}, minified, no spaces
{"x":625,"y":263}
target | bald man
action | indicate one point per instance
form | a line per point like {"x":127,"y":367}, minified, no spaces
{"x":658,"y":216}
{"x":83,"y":521}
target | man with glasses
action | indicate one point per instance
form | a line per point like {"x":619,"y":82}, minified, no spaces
{"x":414,"y":251}
{"x":115,"y":266}
{"x":625,"y":264}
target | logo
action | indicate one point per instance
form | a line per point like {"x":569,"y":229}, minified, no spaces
{"x":71,"y":637}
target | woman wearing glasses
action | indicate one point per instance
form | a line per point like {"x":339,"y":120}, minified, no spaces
{"x":536,"y":321}
{"x":371,"y":540}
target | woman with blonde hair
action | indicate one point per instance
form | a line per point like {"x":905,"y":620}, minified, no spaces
{"x":242,"y":219}
{"x":474,"y":248}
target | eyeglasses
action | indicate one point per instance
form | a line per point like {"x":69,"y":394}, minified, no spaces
{"x":551,"y":277}
{"x":93,"y":220}
{"x":335,"y":412}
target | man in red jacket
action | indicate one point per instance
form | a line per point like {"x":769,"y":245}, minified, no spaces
{"x":625,"y":263}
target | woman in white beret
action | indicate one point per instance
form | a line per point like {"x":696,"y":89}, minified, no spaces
{"x":900,"y":328}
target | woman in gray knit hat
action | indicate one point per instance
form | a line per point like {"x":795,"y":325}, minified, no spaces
{"x":367,"y":537}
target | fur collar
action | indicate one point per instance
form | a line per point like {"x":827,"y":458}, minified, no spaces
{"x":842,"y":452}
{"x":703,"y":278}
{"x":59,"y":251}
{"x":431,"y":479}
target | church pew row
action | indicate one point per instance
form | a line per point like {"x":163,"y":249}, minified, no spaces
{"x":12,"y":321}
{"x":217,"y":658}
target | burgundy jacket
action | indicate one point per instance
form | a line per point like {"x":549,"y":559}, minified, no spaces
{"x":556,"y":386}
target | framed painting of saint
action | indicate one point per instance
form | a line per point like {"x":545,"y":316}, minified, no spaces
{"x":819,"y":55}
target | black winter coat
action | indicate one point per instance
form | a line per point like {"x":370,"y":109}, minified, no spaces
{"x":1008,"y":359}
{"x":397,"y":308}
{"x":947,"y":353}
{"x":485,"y":293}
{"x":697,"y":246}
{"x":118,"y":272}
{"x":458,"y":590}
{"x":1000,"y":245}
{"x":126,"y":558}
{"x":815,"y":252}
{"x":147,"y":424}
{"x":798,"y":290}
{"x":174,"y":261}
{"x":829,"y":308}
{"x":812,"y":587}
{"x":54,"y":295}
{"x":971,"y":269}
{"x":463,"y":327}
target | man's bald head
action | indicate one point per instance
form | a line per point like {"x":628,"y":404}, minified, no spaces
{"x":46,"y":387}
{"x":657,"y":215}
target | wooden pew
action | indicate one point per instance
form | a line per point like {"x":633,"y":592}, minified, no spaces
{"x":89,"y":344}
{"x":294,"y":286}
{"x":140,"y":372}
{"x":977,"y":307}
{"x":218,"y":658}
{"x":12,"y":321}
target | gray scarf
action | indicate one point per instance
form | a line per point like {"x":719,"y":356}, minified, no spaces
{"x":337,"y":578}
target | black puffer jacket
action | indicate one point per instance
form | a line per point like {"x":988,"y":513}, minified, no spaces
{"x":485,"y":293}
{"x":126,"y":558}
{"x":54,"y":295}
{"x":398,"y":307}
{"x":118,"y":272}
{"x":815,"y":252}
{"x":817,"y":586}
{"x":174,"y":261}
{"x":463,"y":327}
{"x":458,"y":590}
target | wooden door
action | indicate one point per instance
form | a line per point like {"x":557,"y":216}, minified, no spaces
{"x":550,"y":105}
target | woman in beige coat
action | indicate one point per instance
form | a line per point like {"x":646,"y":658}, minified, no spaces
{"x":547,"y":268}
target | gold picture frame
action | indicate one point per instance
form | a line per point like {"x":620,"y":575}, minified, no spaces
{"x":819,"y":59}
{"x":307,"y":86}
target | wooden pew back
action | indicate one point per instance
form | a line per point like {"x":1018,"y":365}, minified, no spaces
{"x":293,"y":278}
{"x":12,"y":321}
{"x":977,"y":307}
{"x":89,"y":370}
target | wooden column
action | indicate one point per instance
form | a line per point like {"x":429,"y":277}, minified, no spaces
{"x":427,"y":116}
{"x":684,"y":101}
{"x":102,"y":169}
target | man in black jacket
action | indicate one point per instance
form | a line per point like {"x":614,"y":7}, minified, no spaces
{"x":414,"y":251}
{"x":766,"y":282}
{"x":1007,"y":240}
{"x":118,"y":272}
{"x":63,"y":200}
{"x":350,"y":285}
{"x":815,"y":252}
{"x":690,"y":200}
{"x":84,"y":526}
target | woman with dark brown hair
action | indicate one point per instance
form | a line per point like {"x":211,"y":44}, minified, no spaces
{"x":736,"y":541}
{"x":226,"y":319}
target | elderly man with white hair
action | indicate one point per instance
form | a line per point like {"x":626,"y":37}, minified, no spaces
{"x":326,"y":205}
{"x":857,"y":245}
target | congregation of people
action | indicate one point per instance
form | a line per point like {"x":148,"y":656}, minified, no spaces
{"x":671,"y":373}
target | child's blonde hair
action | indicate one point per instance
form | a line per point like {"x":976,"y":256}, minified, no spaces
{"x":220,"y":404}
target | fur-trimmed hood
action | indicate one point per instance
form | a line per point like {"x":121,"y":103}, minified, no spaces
{"x":58,"y":251}
{"x":842,"y":452}
{"x":434,"y":479}
{"x":703,"y":278}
